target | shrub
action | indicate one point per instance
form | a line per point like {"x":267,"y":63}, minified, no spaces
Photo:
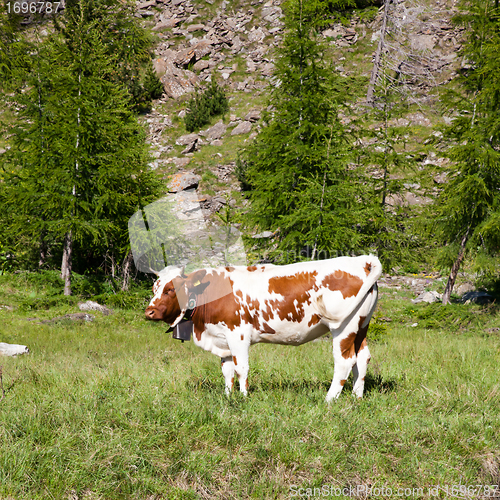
{"x":152,"y":84}
{"x":202,"y":106}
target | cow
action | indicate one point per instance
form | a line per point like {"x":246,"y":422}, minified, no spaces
{"x":232,"y":308}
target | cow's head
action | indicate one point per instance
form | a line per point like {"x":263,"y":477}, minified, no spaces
{"x":173,"y":294}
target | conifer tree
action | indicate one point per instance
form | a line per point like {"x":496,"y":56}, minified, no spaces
{"x":468,"y":210}
{"x":78,"y":166}
{"x":301,"y":188}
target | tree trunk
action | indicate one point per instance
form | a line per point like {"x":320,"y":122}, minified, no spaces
{"x":127,"y":268}
{"x":67,"y":262}
{"x":378,"y":56}
{"x":454,"y":270}
{"x":43,"y":250}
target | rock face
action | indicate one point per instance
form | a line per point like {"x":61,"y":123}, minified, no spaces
{"x":235,"y":44}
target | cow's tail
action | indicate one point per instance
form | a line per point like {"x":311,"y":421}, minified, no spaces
{"x":374,"y":269}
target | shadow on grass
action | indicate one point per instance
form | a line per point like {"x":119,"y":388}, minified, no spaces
{"x":373,"y":384}
{"x":376,"y":383}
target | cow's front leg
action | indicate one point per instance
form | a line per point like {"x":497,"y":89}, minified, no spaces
{"x":344,"y":357}
{"x":227,"y":366}
{"x":239,"y":344}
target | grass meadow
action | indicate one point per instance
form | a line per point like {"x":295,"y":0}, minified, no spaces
{"x":117,"y":409}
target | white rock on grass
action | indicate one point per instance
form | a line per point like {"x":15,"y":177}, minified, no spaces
{"x":429,"y":297}
{"x":12,"y":349}
{"x":94,"y":306}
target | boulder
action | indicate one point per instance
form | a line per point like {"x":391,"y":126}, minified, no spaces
{"x":94,"y":306}
{"x":464,"y":288}
{"x":216,"y":132}
{"x":175,"y":86}
{"x":429,"y":297}
{"x":242,"y":128}
{"x":182,"y":181}
{"x":12,"y":349}
{"x":184,"y":140}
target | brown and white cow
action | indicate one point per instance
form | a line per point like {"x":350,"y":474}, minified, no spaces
{"x":235,"y":307}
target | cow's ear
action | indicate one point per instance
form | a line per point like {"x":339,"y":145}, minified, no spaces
{"x":193,"y":281}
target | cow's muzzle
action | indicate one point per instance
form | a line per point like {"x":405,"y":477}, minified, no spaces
{"x":152,"y":313}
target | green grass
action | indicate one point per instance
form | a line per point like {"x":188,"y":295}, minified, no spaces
{"x":117,"y":409}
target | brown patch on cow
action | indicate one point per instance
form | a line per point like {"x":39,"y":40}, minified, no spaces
{"x":253,"y":303}
{"x":252,"y":268}
{"x":267,"y":329}
{"x":363,"y":345}
{"x":234,"y":360}
{"x":367,"y":268}
{"x":229,"y":269}
{"x":246,"y":384}
{"x":232,"y":382}
{"x":239,"y":293}
{"x":362,"y":378}
{"x":293,"y":288}
{"x":242,"y":337}
{"x":347,"y":346}
{"x":360,"y":342}
{"x":342,"y":382}
{"x":347,"y":284}
{"x":315,"y":319}
{"x":224,"y":309}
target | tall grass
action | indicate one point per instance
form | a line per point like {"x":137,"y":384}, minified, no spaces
{"x":117,"y":409}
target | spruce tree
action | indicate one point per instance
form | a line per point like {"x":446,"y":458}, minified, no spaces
{"x":300,"y":186}
{"x":468,"y":209}
{"x":78,"y":166}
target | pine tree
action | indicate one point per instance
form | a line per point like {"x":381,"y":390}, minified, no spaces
{"x":301,"y":188}
{"x":468,"y":211}
{"x":78,"y":167}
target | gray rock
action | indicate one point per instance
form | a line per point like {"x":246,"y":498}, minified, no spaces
{"x":146,"y":5}
{"x":242,"y":128}
{"x":429,"y":297}
{"x":183,"y":181}
{"x":256,"y":35}
{"x":175,"y":86}
{"x":464,"y":288}
{"x":253,"y":115}
{"x":94,"y":306}
{"x":201,"y":65}
{"x":216,"y":132}
{"x":184,"y":140}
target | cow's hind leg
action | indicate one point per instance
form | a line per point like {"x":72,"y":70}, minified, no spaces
{"x":227,"y":366}
{"x":239,"y":345}
{"x":359,"y":370}
{"x":344,"y":357}
{"x":362,"y":360}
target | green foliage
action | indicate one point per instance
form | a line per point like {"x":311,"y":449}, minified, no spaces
{"x":296,"y":170}
{"x":211,"y":102}
{"x":469,"y":205}
{"x":453,"y":317}
{"x":152,"y":84}
{"x":78,"y":161}
{"x":377,"y":330}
